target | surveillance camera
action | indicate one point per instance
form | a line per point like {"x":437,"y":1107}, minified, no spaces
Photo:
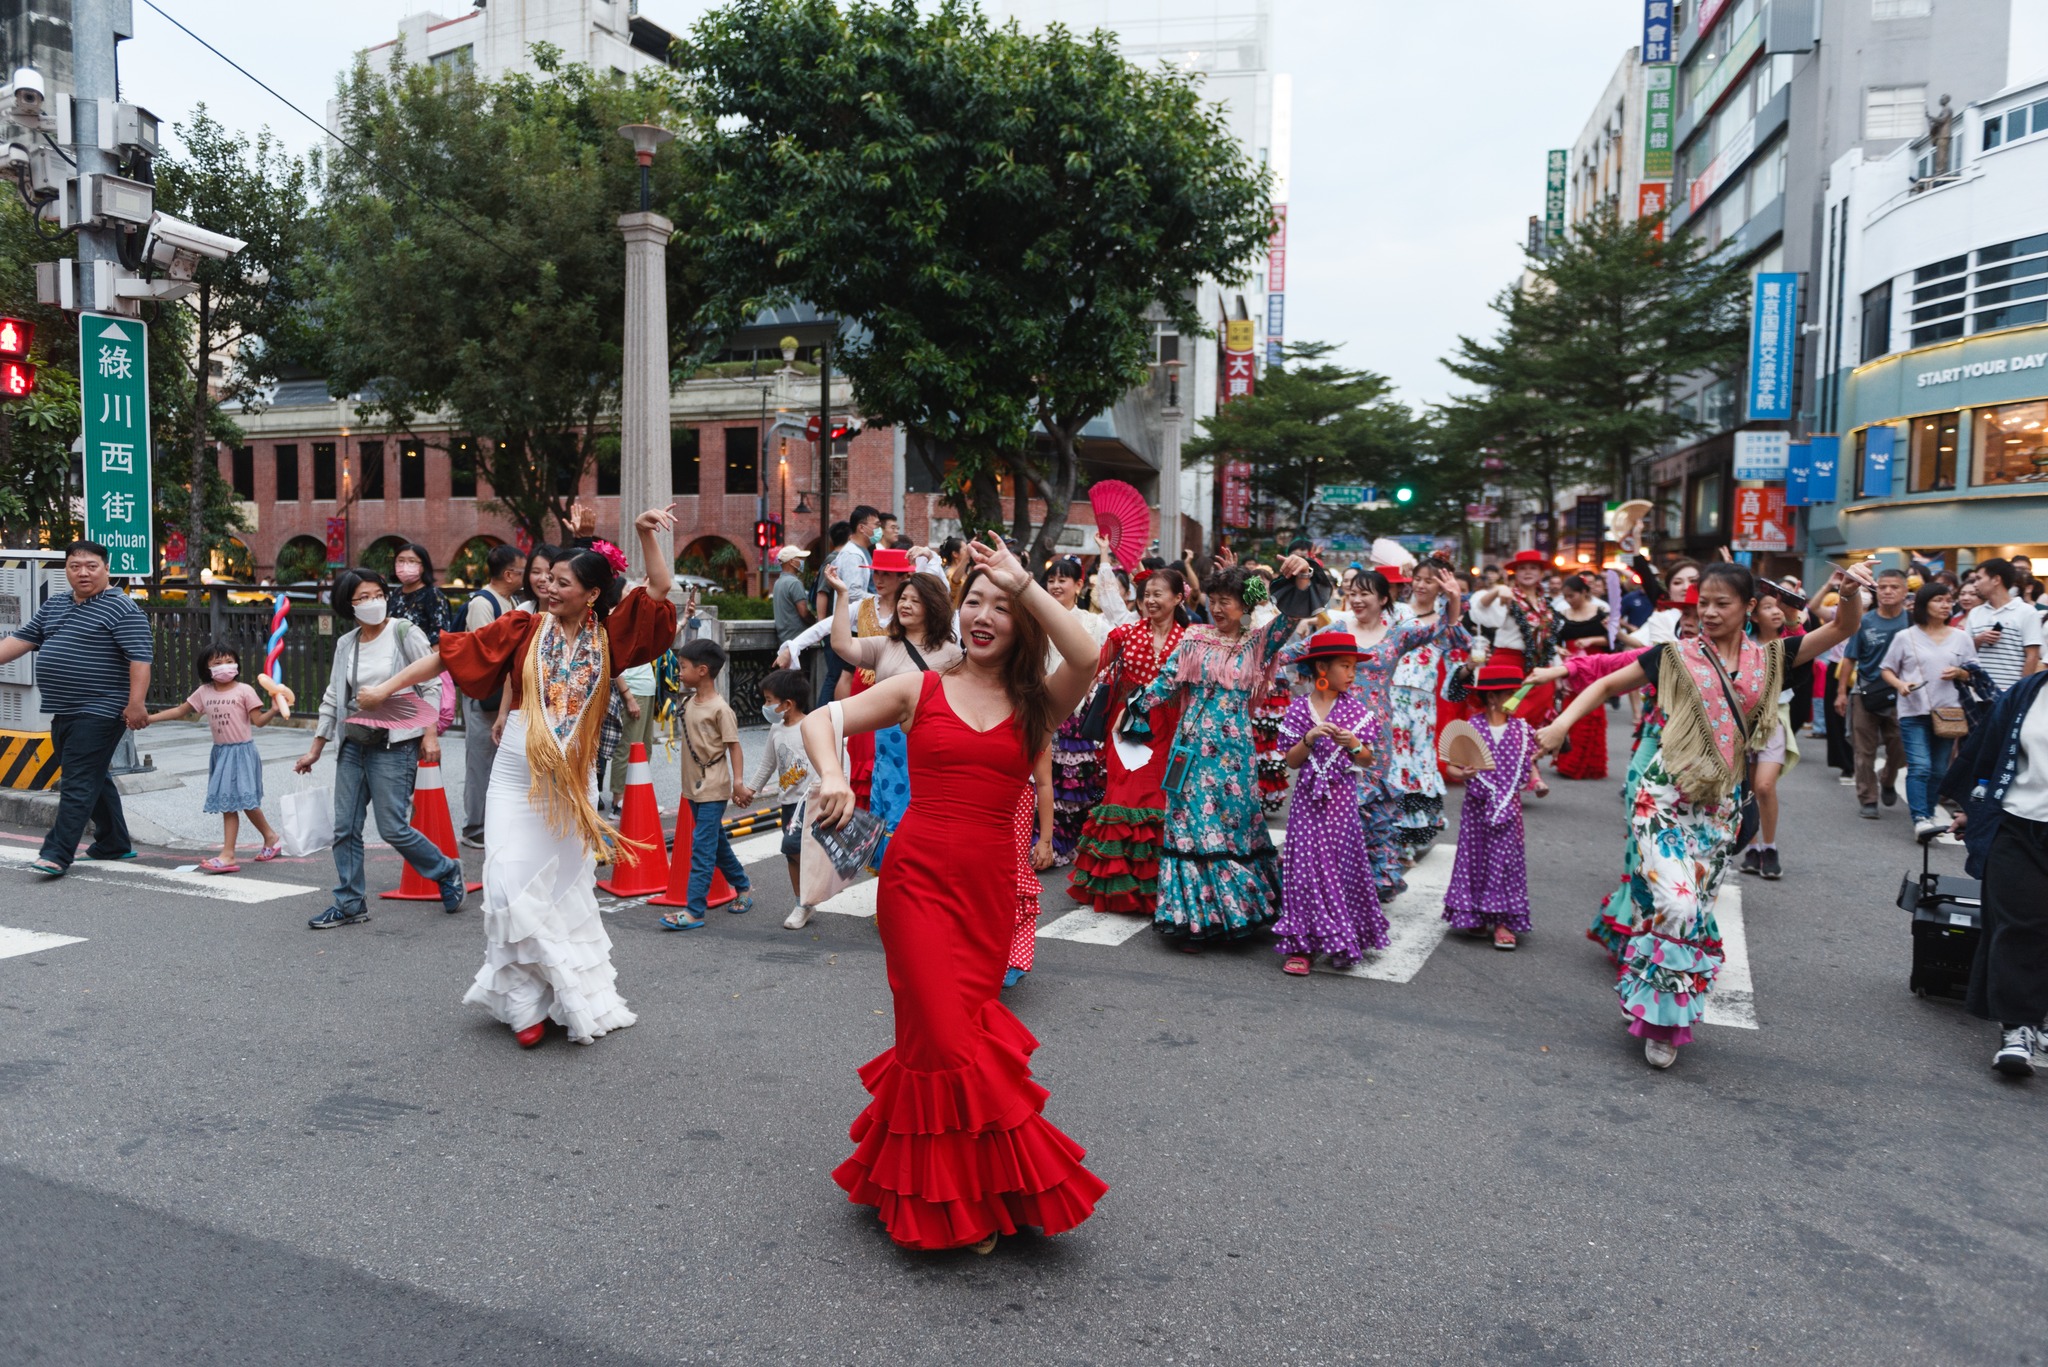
{"x":28,"y":91}
{"x":170,"y":238}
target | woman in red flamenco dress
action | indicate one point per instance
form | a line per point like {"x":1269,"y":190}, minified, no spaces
{"x":952,"y":1150}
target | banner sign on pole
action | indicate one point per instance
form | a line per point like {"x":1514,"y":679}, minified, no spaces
{"x":337,"y":542}
{"x":113,"y":384}
{"x":1773,"y":337}
{"x":1823,"y":462}
{"x":1760,"y":521}
{"x":1237,"y":493}
{"x":1761,"y":455}
{"x":1656,"y":30}
{"x":1239,"y":369}
{"x":1798,"y":471}
{"x":1553,"y":195}
{"x":1276,"y":270}
{"x":1653,"y":197}
{"x":1276,"y":315}
{"x":1660,"y":111}
{"x":1878,"y":444}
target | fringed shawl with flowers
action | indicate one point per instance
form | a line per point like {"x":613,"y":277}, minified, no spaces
{"x":1704,"y":738}
{"x":1532,"y":617}
{"x":1241,"y":664}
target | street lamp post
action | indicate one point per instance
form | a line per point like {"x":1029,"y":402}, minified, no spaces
{"x":1169,"y":468}
{"x":644,"y":478}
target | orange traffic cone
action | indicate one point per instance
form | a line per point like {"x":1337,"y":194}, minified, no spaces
{"x":678,"y":892}
{"x":430,"y":818}
{"x":637,"y":872}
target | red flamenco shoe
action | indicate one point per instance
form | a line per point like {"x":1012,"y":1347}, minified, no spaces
{"x":530,"y":1036}
{"x":1295,"y":965}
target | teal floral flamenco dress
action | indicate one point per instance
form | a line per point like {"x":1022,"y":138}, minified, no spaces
{"x":1219,"y":874}
{"x":1689,"y":777}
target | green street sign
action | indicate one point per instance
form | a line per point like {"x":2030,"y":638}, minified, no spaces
{"x":1341,"y":495}
{"x":113,"y":374}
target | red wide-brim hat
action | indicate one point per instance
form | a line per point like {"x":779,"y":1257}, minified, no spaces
{"x":1393,"y":574}
{"x":889,"y":560}
{"x":1332,"y":645}
{"x":1691,"y":599}
{"x":1504,"y":677}
{"x":1530,"y":558}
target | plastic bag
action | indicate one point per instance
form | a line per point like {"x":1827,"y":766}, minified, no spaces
{"x":833,"y":861}
{"x":306,"y":821}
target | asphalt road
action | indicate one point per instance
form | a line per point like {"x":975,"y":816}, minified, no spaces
{"x":226,"y":1139}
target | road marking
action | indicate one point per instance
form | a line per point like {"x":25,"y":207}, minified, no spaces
{"x":1088,"y":926}
{"x":212,"y":887}
{"x":1415,"y":922}
{"x":13,"y":942}
{"x":754,"y":848}
{"x":1733,"y":1000}
{"x":858,"y":900}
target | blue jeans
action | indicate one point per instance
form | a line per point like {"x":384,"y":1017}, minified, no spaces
{"x":1927,"y":757}
{"x":85,"y":746}
{"x":382,"y":779}
{"x":709,"y":844}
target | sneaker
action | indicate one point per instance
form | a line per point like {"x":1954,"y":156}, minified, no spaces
{"x":335,"y":916}
{"x":1869,"y":812}
{"x":1925,"y":830}
{"x":475,"y":842}
{"x":799,"y":917}
{"x":1752,"y":860}
{"x":1889,"y":796}
{"x":1771,"y":868}
{"x":1659,"y":1053}
{"x":2015,"y":1056}
{"x":453,"y":891}
{"x":1847,"y":780}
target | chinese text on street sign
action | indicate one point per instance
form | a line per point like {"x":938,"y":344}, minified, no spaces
{"x":1239,"y":369}
{"x":113,"y":372}
{"x":1553,"y":195}
{"x":1657,"y":30}
{"x":1660,"y":110}
{"x":1760,"y":521}
{"x":1773,"y":333}
{"x":1761,"y":455}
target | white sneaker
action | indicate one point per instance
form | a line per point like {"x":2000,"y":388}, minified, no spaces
{"x":799,"y":917}
{"x":1924,"y":831}
{"x":1659,"y":1053}
{"x":2015,"y":1056}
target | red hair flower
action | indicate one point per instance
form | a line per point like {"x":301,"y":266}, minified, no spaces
{"x":613,"y":556}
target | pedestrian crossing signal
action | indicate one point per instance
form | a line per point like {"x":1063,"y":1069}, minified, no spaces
{"x":768,"y":532}
{"x":17,"y":379}
{"x":15,"y":336}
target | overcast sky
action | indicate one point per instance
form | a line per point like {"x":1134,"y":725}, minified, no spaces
{"x":1419,"y":134}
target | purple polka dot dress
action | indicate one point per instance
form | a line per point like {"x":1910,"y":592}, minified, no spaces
{"x":1329,"y":902}
{"x":1490,"y":878}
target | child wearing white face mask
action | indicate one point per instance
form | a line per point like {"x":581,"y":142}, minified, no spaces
{"x":784,"y":772}
{"x":234,"y":784}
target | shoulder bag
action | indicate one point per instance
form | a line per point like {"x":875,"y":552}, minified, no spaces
{"x":1749,"y":816}
{"x":1948,"y":723}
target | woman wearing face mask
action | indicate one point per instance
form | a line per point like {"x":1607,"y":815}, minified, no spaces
{"x":1717,"y":704}
{"x":546,"y":954}
{"x":1219,"y":875}
{"x":384,"y":740}
{"x":1116,"y":857}
{"x":1077,"y":775}
{"x":414,"y":596}
{"x":953,"y":1150}
{"x":1371,"y":618}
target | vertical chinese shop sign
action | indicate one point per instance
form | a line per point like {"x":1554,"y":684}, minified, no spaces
{"x":113,"y":374}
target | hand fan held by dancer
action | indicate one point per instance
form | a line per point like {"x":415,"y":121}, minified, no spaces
{"x":1460,"y":745}
{"x":1122,"y":514}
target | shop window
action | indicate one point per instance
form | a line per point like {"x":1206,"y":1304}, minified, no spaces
{"x":2012,"y":444}
{"x":370,"y":460}
{"x":2011,"y":316}
{"x":2019,"y":246}
{"x":242,"y":471}
{"x":742,"y":460}
{"x":1944,"y":309}
{"x":1705,"y":512}
{"x":325,"y":484}
{"x":287,"y":474}
{"x":1934,"y":452}
{"x":1877,"y":321}
{"x":682,"y":460}
{"x":462,"y":467}
{"x":1937,"y":332}
{"x":412,"y":469}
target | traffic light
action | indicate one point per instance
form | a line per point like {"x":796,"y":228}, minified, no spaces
{"x":17,"y":379}
{"x":1404,"y":494}
{"x":768,"y":532}
{"x":15,"y":336}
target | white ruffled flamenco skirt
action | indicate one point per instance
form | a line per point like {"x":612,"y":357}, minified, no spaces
{"x":546,"y":954}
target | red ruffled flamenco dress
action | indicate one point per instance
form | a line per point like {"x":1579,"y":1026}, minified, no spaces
{"x":1116,"y":863}
{"x":952,"y":1148}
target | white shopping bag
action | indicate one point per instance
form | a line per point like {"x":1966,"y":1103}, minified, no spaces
{"x":306,"y":821}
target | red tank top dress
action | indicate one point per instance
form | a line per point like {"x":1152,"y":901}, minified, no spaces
{"x":952,"y":1148}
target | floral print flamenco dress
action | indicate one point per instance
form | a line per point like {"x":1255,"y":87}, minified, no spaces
{"x":1219,"y":874}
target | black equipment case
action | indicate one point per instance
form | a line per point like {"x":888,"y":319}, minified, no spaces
{"x":1948,"y":916}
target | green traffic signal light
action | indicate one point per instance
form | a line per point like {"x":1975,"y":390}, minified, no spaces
{"x":1404,"y":494}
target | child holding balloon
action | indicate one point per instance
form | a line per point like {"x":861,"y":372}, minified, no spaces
{"x":234,"y":784}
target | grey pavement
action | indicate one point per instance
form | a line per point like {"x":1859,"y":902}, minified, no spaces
{"x":227,"y":1139}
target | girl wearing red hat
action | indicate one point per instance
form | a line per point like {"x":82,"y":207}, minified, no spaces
{"x":1519,"y":617}
{"x":1488,"y":894}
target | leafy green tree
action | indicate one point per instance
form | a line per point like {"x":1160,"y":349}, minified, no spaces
{"x":36,"y":433}
{"x":1000,"y":213}
{"x":472,"y":269}
{"x":241,"y":323}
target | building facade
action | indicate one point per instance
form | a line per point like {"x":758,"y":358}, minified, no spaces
{"x":1607,"y":159}
{"x":1937,"y":275}
{"x":497,"y":39}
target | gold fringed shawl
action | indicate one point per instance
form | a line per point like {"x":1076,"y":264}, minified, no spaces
{"x":1689,"y":750}
{"x":560,"y":789}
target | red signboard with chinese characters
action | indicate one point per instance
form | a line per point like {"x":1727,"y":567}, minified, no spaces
{"x":1237,"y":493}
{"x":337,"y":541}
{"x":1653,"y":197}
{"x":1760,"y":520}
{"x":1276,"y":270}
{"x":1240,"y":371}
{"x":1277,"y":241}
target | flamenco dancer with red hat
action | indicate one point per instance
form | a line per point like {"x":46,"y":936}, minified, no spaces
{"x":953,"y":1151}
{"x":1488,"y":896}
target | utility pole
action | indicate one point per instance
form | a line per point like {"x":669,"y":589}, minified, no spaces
{"x":96,"y":26}
{"x":644,"y":476}
{"x":1169,"y":469}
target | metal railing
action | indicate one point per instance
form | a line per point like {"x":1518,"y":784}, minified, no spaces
{"x":182,"y":630}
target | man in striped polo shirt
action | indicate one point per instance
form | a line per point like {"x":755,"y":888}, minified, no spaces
{"x":2004,"y":626}
{"x":92,"y":664}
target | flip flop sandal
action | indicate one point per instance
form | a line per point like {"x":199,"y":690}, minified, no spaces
{"x":216,"y":865}
{"x":681,"y":923}
{"x":268,"y":853}
{"x":46,"y":867}
{"x":108,"y":858}
{"x":1295,"y":964}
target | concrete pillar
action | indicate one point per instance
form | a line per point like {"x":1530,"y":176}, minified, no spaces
{"x":644,"y":475}
{"x":1169,"y":487}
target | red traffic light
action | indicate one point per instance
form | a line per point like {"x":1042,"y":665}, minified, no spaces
{"x":767,"y":532}
{"x":16,"y":334}
{"x":17,"y":379}
{"x":841,"y":427}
